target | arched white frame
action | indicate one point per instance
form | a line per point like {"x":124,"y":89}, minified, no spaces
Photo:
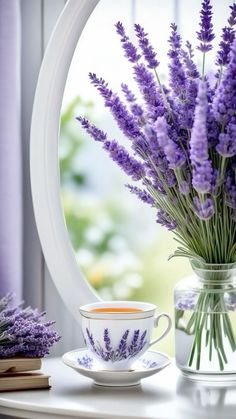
{"x":44,"y":166}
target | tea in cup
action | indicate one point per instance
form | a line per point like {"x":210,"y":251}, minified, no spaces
{"x":119,"y":332}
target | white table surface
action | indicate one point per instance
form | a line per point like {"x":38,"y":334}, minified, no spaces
{"x":166,"y":395}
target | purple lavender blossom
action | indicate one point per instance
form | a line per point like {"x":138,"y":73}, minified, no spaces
{"x":203,"y":209}
{"x":137,"y":112}
{"x":227,"y":142}
{"x":131,"y":166}
{"x":177,"y":74}
{"x":202,"y":176}
{"x":122,"y":116}
{"x":213,"y":128}
{"x":230,"y":192}
{"x":96,"y":133}
{"x":157,"y":153}
{"x":147,"y":50}
{"x":182,"y":75}
{"x":232,"y":18}
{"x":205,"y":35}
{"x":191,"y":68}
{"x":223,"y":54}
{"x":128,"y":47}
{"x":130,"y":97}
{"x":118,"y":153}
{"x":23,"y":332}
{"x":136,"y":109}
{"x":166,"y":220}
{"x":202,"y":168}
{"x":199,"y":144}
{"x":184,"y":187}
{"x":148,"y":88}
{"x":170,"y":178}
{"x":173,"y":153}
{"x":227,"y":38}
{"x":191,"y":88}
{"x":142,"y":194}
{"x":144,"y":78}
{"x":215,"y":183}
{"x":224,"y":104}
{"x":160,"y":162}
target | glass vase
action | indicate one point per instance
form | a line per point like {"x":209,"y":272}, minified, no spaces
{"x":205,"y":322}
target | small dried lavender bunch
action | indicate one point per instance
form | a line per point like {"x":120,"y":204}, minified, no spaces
{"x":23,"y":331}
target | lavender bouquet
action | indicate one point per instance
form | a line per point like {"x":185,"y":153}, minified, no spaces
{"x":183,"y":141}
{"x":23,"y":332}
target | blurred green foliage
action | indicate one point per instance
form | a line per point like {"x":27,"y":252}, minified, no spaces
{"x":98,"y":228}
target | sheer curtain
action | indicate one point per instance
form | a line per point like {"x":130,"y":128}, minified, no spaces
{"x":10,"y":150}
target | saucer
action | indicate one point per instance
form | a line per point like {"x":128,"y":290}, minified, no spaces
{"x":82,"y":361}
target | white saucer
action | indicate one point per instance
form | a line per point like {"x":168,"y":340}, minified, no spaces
{"x":83,"y":362}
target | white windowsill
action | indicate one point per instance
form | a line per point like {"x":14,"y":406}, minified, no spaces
{"x":166,"y":395}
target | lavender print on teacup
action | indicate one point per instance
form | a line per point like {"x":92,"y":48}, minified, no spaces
{"x":118,"y":339}
{"x":126,"y":349}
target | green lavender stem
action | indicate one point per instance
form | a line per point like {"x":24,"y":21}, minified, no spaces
{"x":210,"y":320}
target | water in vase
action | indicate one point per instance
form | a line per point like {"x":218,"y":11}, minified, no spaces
{"x":205,"y":341}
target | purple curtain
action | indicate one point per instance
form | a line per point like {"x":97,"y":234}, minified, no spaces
{"x":10,"y":150}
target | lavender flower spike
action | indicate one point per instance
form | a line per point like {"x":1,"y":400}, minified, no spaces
{"x":227,"y":142}
{"x":198,"y":143}
{"x":227,"y":38}
{"x":202,"y":176}
{"x":232,"y":18}
{"x":205,"y":35}
{"x":141,"y":194}
{"x":148,"y":88}
{"x":173,"y":153}
{"x":131,"y":166}
{"x":128,"y":47}
{"x":96,"y":133}
{"x":224,"y":104}
{"x":202,"y":168}
{"x":129,"y":96}
{"x":147,"y":50}
{"x":177,"y":73}
{"x":204,"y":210}
{"x":230,"y":192}
{"x":136,"y":109}
{"x":128,"y":164}
{"x":166,"y":220}
{"x":122,"y":116}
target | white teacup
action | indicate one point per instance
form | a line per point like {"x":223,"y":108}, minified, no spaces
{"x":118,"y":338}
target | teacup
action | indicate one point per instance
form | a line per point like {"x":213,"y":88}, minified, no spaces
{"x":119,"y":332}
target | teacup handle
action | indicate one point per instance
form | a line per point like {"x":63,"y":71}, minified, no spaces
{"x":156,"y":321}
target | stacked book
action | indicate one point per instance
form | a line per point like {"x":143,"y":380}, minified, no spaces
{"x":22,"y":374}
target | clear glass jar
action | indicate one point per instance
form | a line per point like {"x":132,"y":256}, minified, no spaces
{"x":205,"y":322}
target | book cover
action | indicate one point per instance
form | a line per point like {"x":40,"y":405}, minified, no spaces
{"x":18,"y":364}
{"x":23,"y":381}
